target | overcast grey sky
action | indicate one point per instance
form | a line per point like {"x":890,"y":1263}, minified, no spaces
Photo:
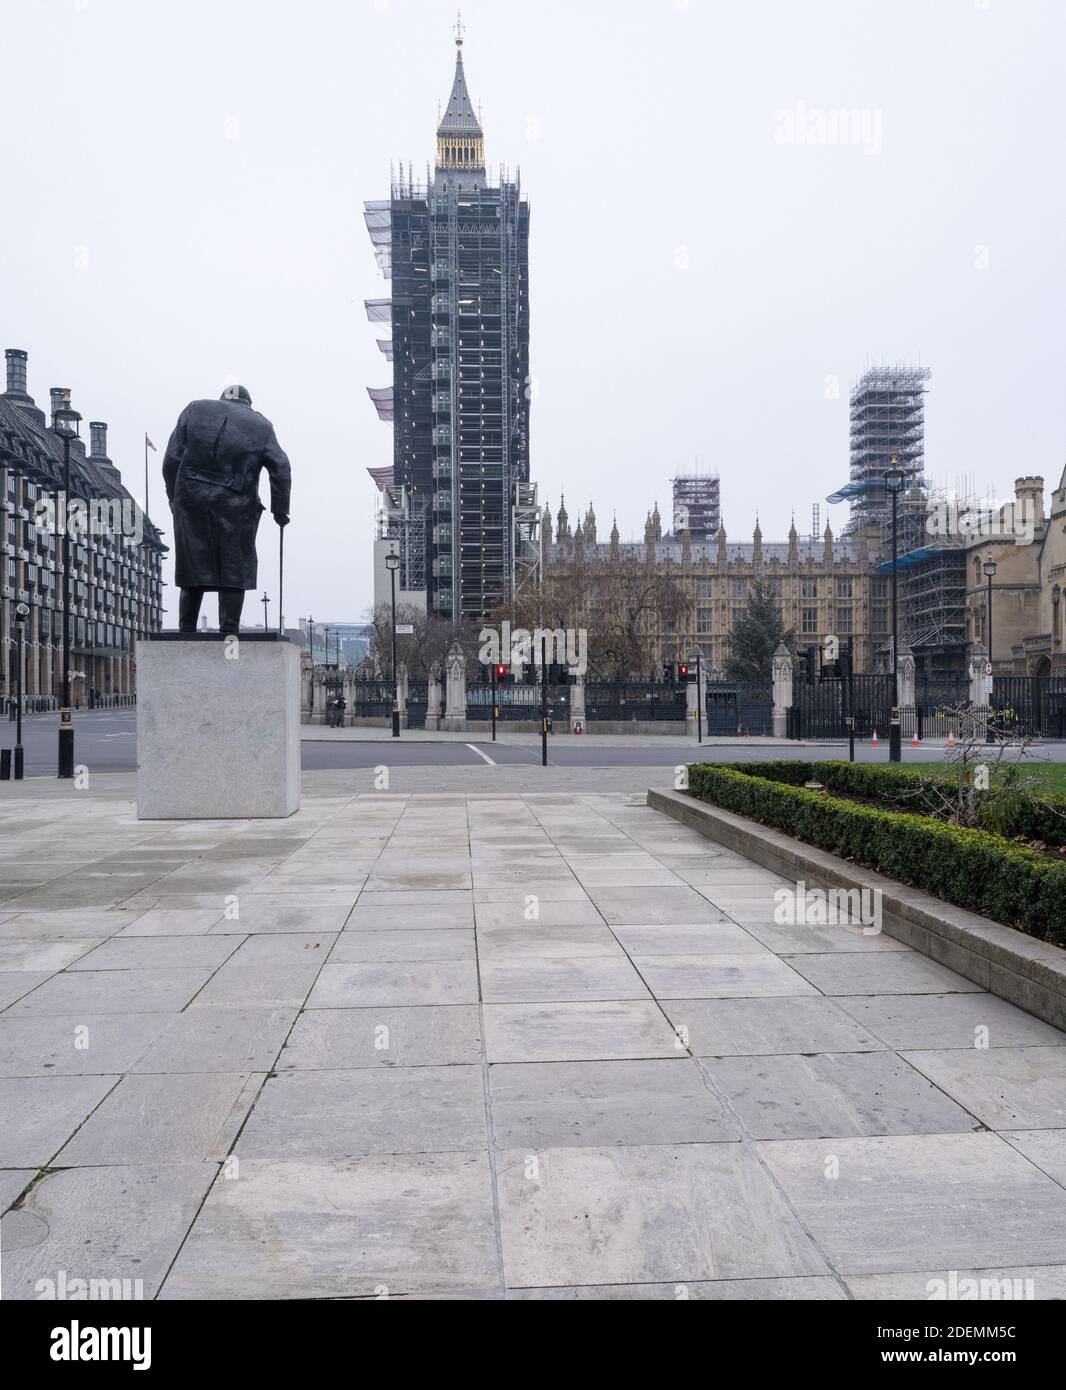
{"x":182,"y":202}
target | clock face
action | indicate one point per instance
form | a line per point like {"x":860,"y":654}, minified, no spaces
{"x":22,"y":610}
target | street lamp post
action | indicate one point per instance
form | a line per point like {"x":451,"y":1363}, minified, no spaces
{"x":22,"y":612}
{"x":65,"y":422}
{"x":392,"y":564}
{"x":990,"y":568}
{"x":311,"y":645}
{"x":894,"y":479}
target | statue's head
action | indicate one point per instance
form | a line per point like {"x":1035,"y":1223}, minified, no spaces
{"x":237,"y":393}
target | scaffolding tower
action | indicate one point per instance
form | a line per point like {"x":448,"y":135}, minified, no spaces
{"x":401,"y":516}
{"x":697,"y":504}
{"x":456,"y":249}
{"x":887,"y":430}
{"x":931,"y":581}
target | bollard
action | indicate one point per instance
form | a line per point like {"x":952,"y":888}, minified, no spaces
{"x":5,"y":764}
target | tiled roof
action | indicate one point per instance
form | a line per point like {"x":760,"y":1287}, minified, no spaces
{"x":460,"y":117}
{"x":38,"y":452}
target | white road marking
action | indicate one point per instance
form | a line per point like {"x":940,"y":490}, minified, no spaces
{"x":491,"y":761}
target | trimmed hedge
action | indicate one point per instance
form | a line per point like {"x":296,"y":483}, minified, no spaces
{"x":1037,"y":816}
{"x":970,"y":868}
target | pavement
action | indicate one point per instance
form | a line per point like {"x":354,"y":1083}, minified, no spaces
{"x":488,"y":1042}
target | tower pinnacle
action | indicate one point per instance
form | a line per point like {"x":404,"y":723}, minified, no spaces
{"x":460,"y":140}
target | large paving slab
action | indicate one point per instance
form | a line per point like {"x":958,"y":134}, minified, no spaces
{"x":343,"y":1114}
{"x":491,"y":1037}
{"x":108,"y":1224}
{"x":592,"y":1104}
{"x":40,"y":1113}
{"x":164,"y":1119}
{"x":1006,"y":1087}
{"x":643,"y":1214}
{"x":881,"y":1206}
{"x":348,"y":1228}
{"x":832,"y":1094}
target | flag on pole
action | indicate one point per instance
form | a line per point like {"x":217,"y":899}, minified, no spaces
{"x":150,"y":445}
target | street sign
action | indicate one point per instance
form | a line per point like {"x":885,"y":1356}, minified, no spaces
{"x":405,"y":630}
{"x":988,"y":669}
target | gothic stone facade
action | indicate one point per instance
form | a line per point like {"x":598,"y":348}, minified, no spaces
{"x":824,"y":587}
{"x":1028,"y":606}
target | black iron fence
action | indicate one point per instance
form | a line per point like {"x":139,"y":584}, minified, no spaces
{"x":735,"y":708}
{"x":624,"y":700}
{"x":821,"y":709}
{"x":1030,"y":706}
{"x":517,"y":702}
{"x":417,"y":703}
{"x":371,"y":698}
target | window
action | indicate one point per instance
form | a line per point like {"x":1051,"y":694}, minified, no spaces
{"x":704,"y":619}
{"x":844,"y":620}
{"x":878,"y":588}
{"x":844,"y":588}
{"x":810,"y":588}
{"x":703,"y":588}
{"x":739,"y":588}
{"x":810,"y":621}
{"x":738,"y":614}
{"x":774,"y":586}
{"x":880,"y":619}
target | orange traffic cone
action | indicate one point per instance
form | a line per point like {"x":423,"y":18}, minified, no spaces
{"x":873,"y":741}
{"x":951,"y":738}
{"x":916,"y":741}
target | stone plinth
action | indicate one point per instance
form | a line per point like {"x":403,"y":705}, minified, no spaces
{"x":218,"y":727}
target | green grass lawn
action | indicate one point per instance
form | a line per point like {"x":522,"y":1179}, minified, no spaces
{"x":1045,"y":777}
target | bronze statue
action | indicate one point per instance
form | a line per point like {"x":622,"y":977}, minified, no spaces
{"x":211,"y":471}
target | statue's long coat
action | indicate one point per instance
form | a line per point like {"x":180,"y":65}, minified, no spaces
{"x":211,"y":471}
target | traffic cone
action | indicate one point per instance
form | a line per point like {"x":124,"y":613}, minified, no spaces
{"x":873,"y":741}
{"x":951,"y":738}
{"x":916,"y":741}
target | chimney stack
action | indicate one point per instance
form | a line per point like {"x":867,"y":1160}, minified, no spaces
{"x":97,"y":439}
{"x":16,"y":359}
{"x":55,"y":396}
{"x":16,"y":392}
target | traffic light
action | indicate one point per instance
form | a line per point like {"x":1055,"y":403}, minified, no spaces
{"x":682,"y":672}
{"x":668,"y":672}
{"x":501,"y":671}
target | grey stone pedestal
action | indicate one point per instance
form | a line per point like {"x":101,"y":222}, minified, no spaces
{"x":218,"y":727}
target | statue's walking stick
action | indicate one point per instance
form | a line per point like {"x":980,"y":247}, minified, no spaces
{"x":281,"y":580}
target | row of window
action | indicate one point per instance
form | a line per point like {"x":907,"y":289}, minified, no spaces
{"x":845,"y":587}
{"x":809,"y":620}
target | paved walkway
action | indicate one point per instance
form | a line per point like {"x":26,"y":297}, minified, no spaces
{"x":481,"y":1045}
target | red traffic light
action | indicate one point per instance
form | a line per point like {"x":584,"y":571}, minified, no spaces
{"x":501,"y":671}
{"x":682,"y":671}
